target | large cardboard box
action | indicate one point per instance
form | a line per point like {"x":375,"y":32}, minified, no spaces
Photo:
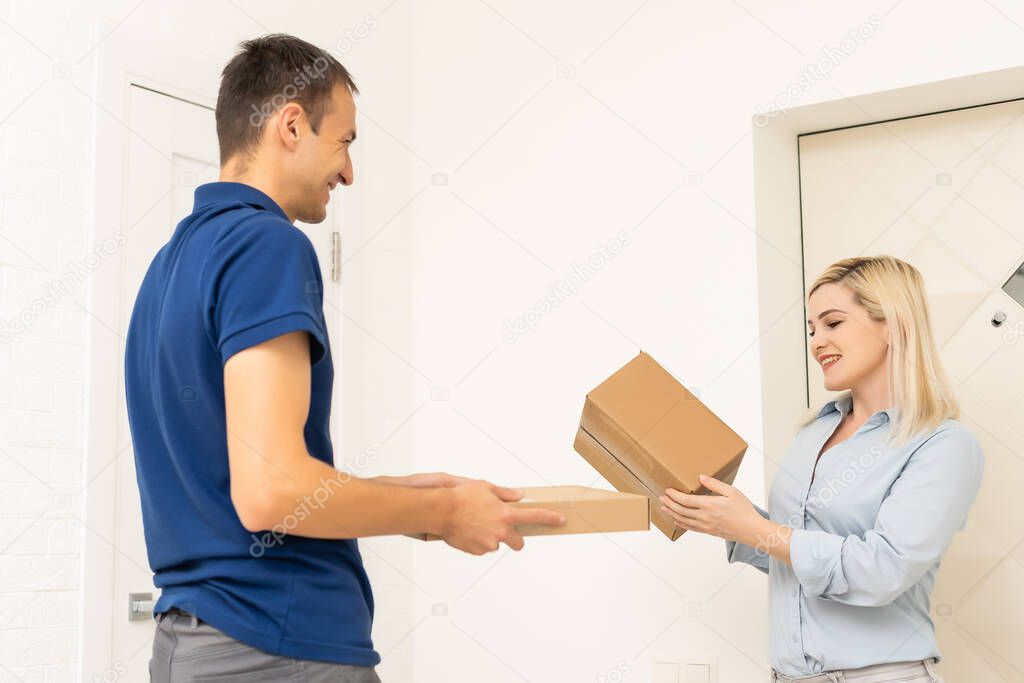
{"x":645,"y":432}
{"x":586,"y":510}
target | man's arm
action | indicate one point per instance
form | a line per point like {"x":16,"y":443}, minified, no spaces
{"x":422,"y":480}
{"x":266,"y":393}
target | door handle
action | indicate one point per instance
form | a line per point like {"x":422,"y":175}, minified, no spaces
{"x":335,"y":256}
{"x":140,"y":606}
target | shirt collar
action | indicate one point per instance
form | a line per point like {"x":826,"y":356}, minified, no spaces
{"x":223,"y":191}
{"x":844,"y":403}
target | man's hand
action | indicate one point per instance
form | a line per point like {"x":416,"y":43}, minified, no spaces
{"x":481,"y":518}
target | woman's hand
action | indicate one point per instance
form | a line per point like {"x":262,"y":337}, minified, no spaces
{"x":729,"y":514}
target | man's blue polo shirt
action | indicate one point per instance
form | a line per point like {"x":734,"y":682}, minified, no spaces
{"x":235,"y":273}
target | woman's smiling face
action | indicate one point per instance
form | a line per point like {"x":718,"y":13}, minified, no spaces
{"x":848,"y":344}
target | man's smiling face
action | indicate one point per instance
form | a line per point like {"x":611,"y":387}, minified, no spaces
{"x":322,"y":160}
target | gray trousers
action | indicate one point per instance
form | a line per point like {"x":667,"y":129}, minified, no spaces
{"x":186,"y":649}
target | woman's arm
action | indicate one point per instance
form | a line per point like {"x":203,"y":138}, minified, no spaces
{"x":927,"y":504}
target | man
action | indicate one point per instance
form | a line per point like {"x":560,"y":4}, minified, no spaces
{"x":228,"y":378}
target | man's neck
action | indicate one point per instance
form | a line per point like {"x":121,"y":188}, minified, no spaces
{"x":261,"y":181}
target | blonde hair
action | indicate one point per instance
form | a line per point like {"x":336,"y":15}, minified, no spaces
{"x":893,"y":291}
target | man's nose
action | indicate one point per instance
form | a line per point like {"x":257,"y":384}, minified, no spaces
{"x":347,"y":175}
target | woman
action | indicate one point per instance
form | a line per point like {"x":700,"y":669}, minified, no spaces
{"x":868,"y":496}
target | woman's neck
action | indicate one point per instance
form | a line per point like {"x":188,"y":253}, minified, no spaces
{"x":871,"y":396}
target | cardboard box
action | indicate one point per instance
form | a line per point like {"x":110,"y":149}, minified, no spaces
{"x":645,"y":432}
{"x":586,"y":510}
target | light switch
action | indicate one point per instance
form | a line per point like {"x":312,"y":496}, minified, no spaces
{"x":686,"y":669}
{"x":697,"y":673}
{"x":665,"y":672}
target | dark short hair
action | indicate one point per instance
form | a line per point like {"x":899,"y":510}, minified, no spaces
{"x":267,"y":73}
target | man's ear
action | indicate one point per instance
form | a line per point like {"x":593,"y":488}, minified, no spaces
{"x":288,"y":124}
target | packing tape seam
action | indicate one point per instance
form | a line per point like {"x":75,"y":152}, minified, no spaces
{"x":621,"y":464}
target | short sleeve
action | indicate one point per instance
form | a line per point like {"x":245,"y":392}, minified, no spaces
{"x":263,"y":281}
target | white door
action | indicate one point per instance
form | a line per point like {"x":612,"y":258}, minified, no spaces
{"x":171,"y":148}
{"x":946,"y":193}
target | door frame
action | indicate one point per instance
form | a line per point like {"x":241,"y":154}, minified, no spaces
{"x":125,"y":59}
{"x":781,"y":309}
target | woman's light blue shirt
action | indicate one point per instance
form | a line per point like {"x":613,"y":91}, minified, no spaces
{"x":868,"y":534}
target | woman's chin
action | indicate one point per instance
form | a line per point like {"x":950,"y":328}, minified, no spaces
{"x":834,"y":385}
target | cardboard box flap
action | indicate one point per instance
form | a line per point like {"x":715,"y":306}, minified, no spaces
{"x":658,"y":429}
{"x":602,"y":460}
{"x":622,"y":479}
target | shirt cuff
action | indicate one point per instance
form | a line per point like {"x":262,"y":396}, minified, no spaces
{"x":816,"y":558}
{"x":739,"y":552}
{"x":257,"y":334}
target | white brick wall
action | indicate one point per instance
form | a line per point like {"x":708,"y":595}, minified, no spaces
{"x":45,"y":175}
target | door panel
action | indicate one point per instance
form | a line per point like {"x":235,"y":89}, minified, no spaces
{"x":946,"y":193}
{"x":171,"y":148}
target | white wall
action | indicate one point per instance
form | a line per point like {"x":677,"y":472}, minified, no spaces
{"x":45,"y":130}
{"x":540,"y":171}
{"x":650,"y":102}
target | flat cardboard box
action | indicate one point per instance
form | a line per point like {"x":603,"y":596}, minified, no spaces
{"x":645,"y":432}
{"x":586,"y":510}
